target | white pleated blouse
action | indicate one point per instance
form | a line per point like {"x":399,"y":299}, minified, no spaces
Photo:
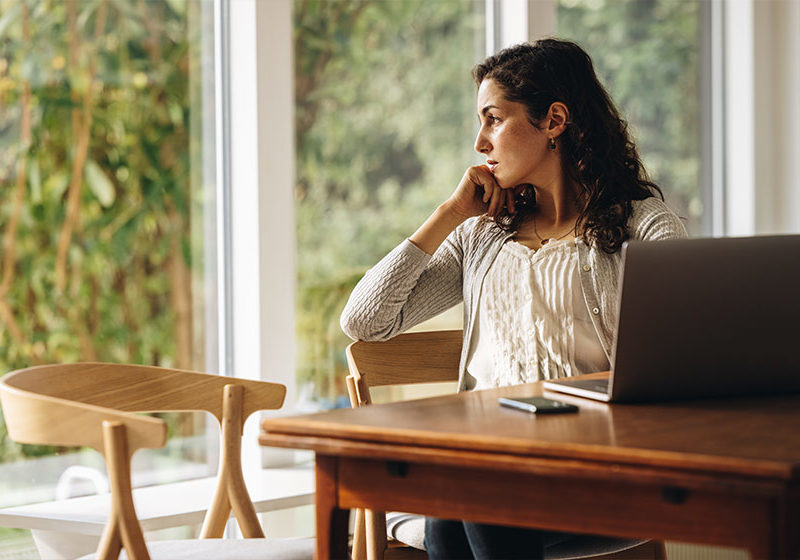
{"x":532,"y":320}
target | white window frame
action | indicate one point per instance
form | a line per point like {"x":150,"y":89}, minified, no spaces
{"x":509,"y":22}
{"x":762,"y":117}
{"x":259,"y":245}
{"x":515,"y":21}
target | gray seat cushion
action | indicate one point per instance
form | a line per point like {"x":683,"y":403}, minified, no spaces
{"x":409,"y":529}
{"x":587,"y":546}
{"x":228,"y":549}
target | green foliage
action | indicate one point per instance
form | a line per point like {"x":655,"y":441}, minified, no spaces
{"x":647,"y":53}
{"x":109,"y":103}
{"x":385,"y":122}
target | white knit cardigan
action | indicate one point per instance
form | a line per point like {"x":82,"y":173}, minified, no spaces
{"x":408,"y":286}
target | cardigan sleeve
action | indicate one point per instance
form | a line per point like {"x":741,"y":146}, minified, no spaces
{"x":653,"y":221}
{"x":405,"y":288}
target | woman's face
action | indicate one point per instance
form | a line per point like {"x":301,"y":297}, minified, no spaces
{"x":516,"y":151}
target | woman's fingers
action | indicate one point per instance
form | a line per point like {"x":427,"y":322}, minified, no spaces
{"x":479,"y":193}
{"x":496,"y":197}
{"x":483,"y":179}
{"x":496,"y":202}
{"x":487,"y":191}
{"x":510,"y":196}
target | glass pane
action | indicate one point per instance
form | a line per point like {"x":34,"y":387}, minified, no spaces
{"x":648,"y":55}
{"x":385,"y":116}
{"x":106,"y":210}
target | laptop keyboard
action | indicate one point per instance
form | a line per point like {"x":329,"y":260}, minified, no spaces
{"x":596,"y":385}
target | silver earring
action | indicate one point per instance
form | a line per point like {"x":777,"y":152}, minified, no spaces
{"x":552,"y":144}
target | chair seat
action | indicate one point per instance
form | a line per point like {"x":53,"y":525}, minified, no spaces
{"x":589,"y":546}
{"x":409,"y":529}
{"x":227,"y":549}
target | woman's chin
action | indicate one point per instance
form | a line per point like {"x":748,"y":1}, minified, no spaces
{"x":503,"y":184}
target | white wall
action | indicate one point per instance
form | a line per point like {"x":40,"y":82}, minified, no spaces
{"x":777,"y":116}
{"x":762,"y":128}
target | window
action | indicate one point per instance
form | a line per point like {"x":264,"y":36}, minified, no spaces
{"x":649,"y":56}
{"x":107,"y":210}
{"x":385,"y":117}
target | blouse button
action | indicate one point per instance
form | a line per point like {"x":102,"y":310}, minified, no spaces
{"x":587,"y":268}
{"x":595,"y":310}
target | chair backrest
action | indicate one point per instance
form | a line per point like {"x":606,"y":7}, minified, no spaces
{"x":91,"y":404}
{"x":421,"y":357}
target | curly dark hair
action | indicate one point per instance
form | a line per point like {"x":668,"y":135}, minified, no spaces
{"x":597,"y":151}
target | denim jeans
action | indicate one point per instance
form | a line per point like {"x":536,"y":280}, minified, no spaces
{"x":462,"y":540}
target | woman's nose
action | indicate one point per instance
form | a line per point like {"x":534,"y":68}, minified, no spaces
{"x":481,"y":144}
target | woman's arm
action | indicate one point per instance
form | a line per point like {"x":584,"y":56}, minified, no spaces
{"x":477,"y":193}
{"x":406,"y":287}
{"x":652,"y":220}
{"x":422,"y":276}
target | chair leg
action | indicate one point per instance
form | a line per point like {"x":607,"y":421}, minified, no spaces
{"x":359,"y":551}
{"x":231,"y":492}
{"x":126,"y":526}
{"x":376,"y":534}
{"x":217,"y":515}
{"x":110,"y":543}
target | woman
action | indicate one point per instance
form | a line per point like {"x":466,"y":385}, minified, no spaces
{"x":530,"y":242}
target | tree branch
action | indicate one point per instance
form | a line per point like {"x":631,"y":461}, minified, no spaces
{"x":180,"y":293}
{"x":10,"y":237}
{"x":81,"y":152}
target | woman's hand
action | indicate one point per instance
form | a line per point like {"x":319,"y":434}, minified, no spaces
{"x":478,"y":193}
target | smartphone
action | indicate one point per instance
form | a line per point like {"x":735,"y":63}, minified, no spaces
{"x":538,"y":405}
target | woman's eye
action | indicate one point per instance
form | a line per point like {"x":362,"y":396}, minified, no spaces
{"x":492,"y":119}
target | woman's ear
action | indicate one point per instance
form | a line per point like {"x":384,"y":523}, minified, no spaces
{"x":557,"y":119}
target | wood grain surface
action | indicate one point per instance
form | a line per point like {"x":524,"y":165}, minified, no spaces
{"x":752,"y":436}
{"x":723,"y":472}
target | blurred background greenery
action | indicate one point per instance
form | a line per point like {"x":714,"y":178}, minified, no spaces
{"x":385,"y":120}
{"x":101,"y":209}
{"x":96,"y":202}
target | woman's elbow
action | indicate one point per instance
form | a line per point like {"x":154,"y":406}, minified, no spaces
{"x":360,"y":328}
{"x":350,"y":327}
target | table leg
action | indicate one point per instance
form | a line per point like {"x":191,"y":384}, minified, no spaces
{"x":331,"y":520}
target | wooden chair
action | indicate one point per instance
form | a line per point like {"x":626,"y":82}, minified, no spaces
{"x":91,"y":404}
{"x":426,"y":357}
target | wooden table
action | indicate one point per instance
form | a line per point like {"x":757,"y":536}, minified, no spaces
{"x":723,"y":472}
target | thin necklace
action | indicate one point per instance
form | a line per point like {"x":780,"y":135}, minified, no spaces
{"x":547,"y":240}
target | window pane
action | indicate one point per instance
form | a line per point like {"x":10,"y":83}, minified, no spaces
{"x":648,"y":55}
{"x":385,"y":126}
{"x":106,"y":211}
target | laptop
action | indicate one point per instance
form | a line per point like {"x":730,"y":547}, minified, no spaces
{"x":703,"y":318}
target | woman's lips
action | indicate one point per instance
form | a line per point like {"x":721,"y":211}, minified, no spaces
{"x":492,"y":165}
